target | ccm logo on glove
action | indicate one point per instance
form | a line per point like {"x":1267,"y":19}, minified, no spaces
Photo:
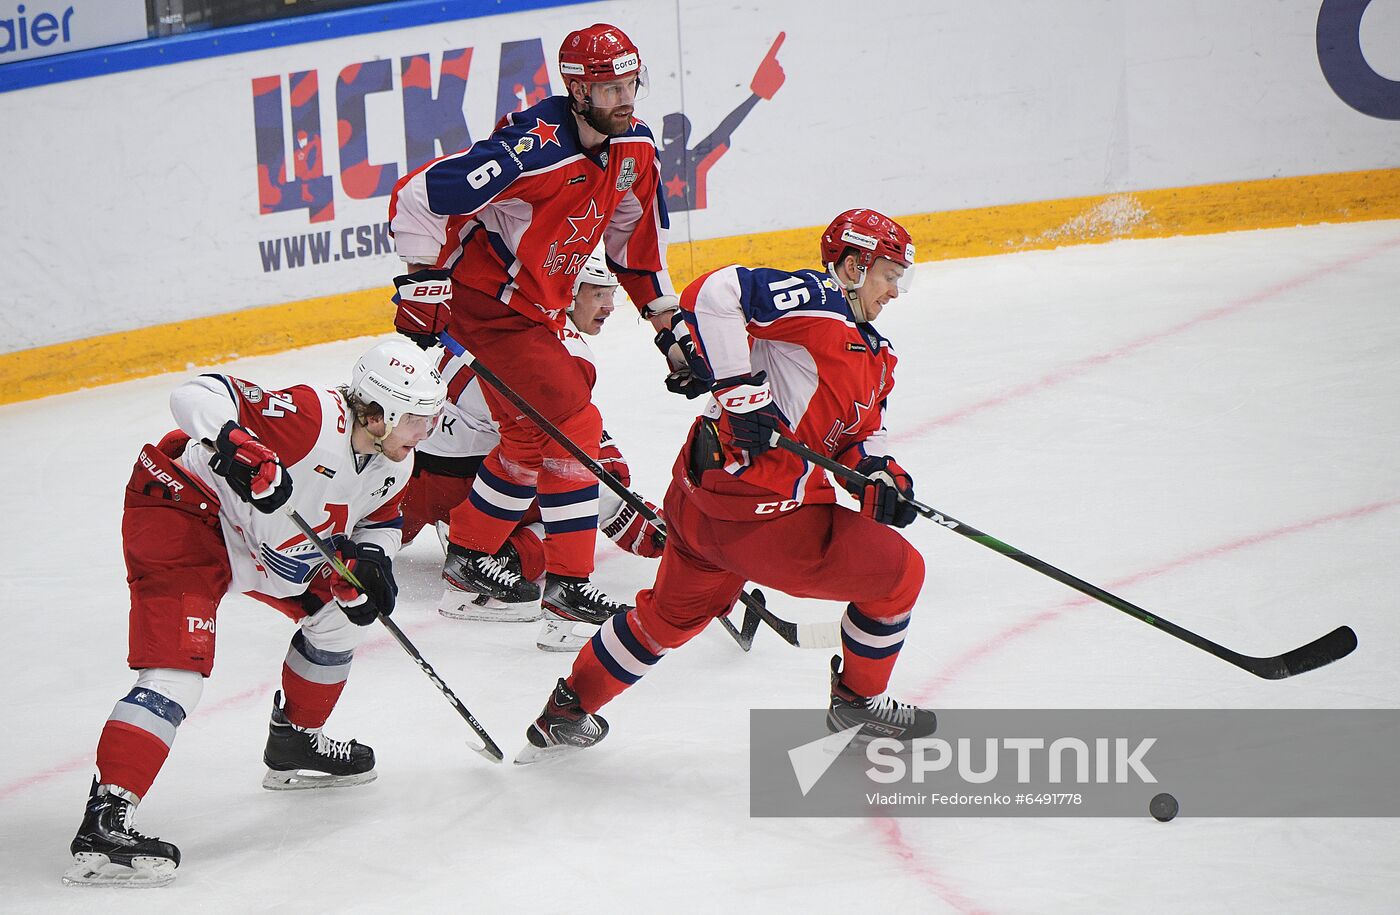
{"x":745,"y":402}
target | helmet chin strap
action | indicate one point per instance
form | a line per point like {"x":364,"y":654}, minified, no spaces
{"x":852,"y":295}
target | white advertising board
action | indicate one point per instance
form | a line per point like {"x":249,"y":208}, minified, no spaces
{"x":39,"y":28}
{"x":210,"y":186}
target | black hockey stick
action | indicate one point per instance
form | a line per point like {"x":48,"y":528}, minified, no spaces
{"x":1333,"y":646}
{"x":607,"y":479}
{"x":488,"y":747}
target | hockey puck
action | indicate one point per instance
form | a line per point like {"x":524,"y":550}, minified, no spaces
{"x":1163,"y":807}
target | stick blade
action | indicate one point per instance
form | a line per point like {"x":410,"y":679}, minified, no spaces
{"x":743,"y":637}
{"x":1333,"y":646}
{"x":488,"y":748}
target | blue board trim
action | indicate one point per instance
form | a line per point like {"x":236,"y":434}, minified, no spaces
{"x":157,"y":52}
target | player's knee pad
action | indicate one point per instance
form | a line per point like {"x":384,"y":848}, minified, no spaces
{"x":584,"y":428}
{"x":896,"y":604}
{"x":331,"y":630}
{"x":183,"y":687}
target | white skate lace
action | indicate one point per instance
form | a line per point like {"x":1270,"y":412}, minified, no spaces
{"x":336,"y":749}
{"x":589,"y":591}
{"x":128,"y":825}
{"x":890,"y":710}
{"x":497,"y":571}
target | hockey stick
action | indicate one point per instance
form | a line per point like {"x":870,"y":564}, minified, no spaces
{"x":611,"y":482}
{"x":798,"y":635}
{"x":488,"y":748}
{"x":1333,"y":646}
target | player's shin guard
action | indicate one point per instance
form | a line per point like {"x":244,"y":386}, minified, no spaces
{"x":570,"y":518}
{"x":140,"y":731}
{"x":491,"y":511}
{"x":614,"y":659}
{"x":312,"y":680}
{"x":870,"y":647}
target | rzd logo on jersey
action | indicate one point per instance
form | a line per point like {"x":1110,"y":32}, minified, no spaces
{"x":196,"y":624}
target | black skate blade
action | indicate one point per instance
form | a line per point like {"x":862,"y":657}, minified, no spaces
{"x":304,"y":780}
{"x":97,"y":870}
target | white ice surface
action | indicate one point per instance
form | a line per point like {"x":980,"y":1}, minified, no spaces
{"x":1208,"y":426}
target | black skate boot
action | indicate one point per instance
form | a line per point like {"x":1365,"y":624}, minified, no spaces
{"x":563,"y":726}
{"x":574,"y":608}
{"x":306,"y":758}
{"x":880,"y":715}
{"x":485,"y":587}
{"x":108,"y":851}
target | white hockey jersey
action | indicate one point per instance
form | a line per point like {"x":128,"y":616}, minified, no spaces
{"x":466,"y":428}
{"x":339,"y":493}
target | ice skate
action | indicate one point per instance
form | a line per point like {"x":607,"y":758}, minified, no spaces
{"x":485,"y":587}
{"x":574,"y":608}
{"x":466,"y":596}
{"x":108,"y":851}
{"x":299,"y":758}
{"x":879,"y":716}
{"x":562,"y":727}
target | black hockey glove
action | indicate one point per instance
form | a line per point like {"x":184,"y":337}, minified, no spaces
{"x":252,"y":469}
{"x":750,"y":417}
{"x":880,"y":498}
{"x":374,"y":570}
{"x":689,"y":373}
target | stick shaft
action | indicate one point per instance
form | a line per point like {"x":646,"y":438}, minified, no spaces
{"x":1322,"y":651}
{"x":489,"y":748}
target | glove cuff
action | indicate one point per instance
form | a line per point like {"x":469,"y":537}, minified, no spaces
{"x":745,"y":394}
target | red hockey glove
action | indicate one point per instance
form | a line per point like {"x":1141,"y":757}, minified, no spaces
{"x":252,"y":469}
{"x":880,"y":499}
{"x":633,"y":533}
{"x":422,"y":300}
{"x":611,"y":460}
{"x":750,"y":416}
{"x":374,"y":570}
{"x":769,"y":78}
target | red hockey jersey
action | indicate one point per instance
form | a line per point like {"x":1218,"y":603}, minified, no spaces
{"x":517,"y":214}
{"x":830,"y":377}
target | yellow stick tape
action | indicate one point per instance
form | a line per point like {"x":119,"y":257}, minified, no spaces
{"x":1270,"y":203}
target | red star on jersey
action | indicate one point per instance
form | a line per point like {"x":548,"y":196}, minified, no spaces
{"x":839,"y":428}
{"x":547,"y":133}
{"x":582,"y":227}
{"x":676,"y":186}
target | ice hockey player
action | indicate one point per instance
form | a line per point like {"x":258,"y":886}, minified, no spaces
{"x":206,"y":513}
{"x":493,"y":238}
{"x":444,"y":477}
{"x":798,"y":354}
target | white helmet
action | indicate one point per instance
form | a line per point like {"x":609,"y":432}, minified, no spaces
{"x":401,"y":378}
{"x":595,"y":272}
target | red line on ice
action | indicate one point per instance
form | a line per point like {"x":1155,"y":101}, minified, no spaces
{"x":240,"y":700}
{"x":1088,"y":363}
{"x":1011,"y":633}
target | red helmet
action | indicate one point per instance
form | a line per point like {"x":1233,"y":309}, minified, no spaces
{"x":872,"y":234}
{"x":598,"y":53}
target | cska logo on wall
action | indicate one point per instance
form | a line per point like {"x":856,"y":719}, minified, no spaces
{"x":433,"y":123}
